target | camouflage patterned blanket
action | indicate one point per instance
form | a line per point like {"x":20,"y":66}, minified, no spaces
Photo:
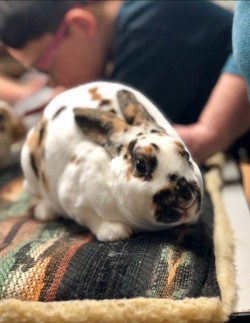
{"x":61,"y":261}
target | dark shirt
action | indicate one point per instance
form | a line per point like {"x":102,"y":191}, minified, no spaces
{"x":172,"y":51}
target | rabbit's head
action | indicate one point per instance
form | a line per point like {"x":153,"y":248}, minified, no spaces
{"x":11,"y":129}
{"x":154,"y":180}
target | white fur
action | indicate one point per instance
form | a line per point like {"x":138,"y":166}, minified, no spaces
{"x":97,"y":191}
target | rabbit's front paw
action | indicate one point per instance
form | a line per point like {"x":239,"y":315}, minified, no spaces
{"x":113,"y":231}
{"x":44,"y":213}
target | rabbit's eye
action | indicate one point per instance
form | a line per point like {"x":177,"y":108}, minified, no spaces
{"x":141,"y":166}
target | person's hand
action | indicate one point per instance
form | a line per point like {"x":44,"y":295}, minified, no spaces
{"x":225,"y":117}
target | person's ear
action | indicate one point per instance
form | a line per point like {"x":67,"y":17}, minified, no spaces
{"x":81,"y":18}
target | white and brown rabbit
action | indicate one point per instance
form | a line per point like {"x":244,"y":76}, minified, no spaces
{"x":105,"y":156}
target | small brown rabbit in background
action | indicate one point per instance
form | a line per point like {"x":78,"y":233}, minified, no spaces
{"x":12,"y":130}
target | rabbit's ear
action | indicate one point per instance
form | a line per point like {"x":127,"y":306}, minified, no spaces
{"x":132,"y":110}
{"x":99,"y":125}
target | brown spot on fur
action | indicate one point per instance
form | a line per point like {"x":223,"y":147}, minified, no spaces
{"x":128,"y":157}
{"x":33,"y":165}
{"x":36,"y":145}
{"x":36,"y":139}
{"x":160,"y":132}
{"x":155,"y":131}
{"x":183,"y":152}
{"x":112,"y":111}
{"x":119,"y":149}
{"x":133,"y":111}
{"x":95,"y":96}
{"x":58,"y":112}
{"x":128,"y":173}
{"x":74,"y":160}
{"x":131,"y":146}
{"x":41,"y":134}
{"x":179,"y":146}
{"x":155,"y":146}
{"x":44,"y":180}
{"x":104,"y":102}
{"x":147,"y":150}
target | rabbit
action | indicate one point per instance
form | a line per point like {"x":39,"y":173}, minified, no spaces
{"x":105,"y":156}
{"x":12,"y":129}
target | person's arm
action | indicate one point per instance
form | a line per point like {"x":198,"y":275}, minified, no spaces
{"x":224,"y":119}
{"x":12,"y":90}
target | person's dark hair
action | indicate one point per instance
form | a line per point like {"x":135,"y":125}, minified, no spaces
{"x":22,"y":21}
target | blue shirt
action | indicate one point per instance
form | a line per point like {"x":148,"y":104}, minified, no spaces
{"x":241,"y":39}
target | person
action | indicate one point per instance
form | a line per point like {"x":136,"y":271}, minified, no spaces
{"x":172,"y":51}
{"x":15,"y":82}
{"x":226,"y":117}
{"x":224,"y":120}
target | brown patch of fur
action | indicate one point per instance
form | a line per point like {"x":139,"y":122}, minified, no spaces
{"x":128,"y":157}
{"x":74,"y":160}
{"x":112,"y":111}
{"x":104,"y":102}
{"x":36,"y":146}
{"x":162,"y":134}
{"x":133,"y":111}
{"x":45,"y":182}
{"x":160,"y":131}
{"x":147,"y":150}
{"x":183,"y":153}
{"x":128,"y":173}
{"x":95,"y":96}
{"x":179,"y":146}
{"x":155,"y":146}
{"x":133,"y":116}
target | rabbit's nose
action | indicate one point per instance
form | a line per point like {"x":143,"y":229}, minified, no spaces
{"x":165,"y":204}
{"x":187,"y":204}
{"x":172,"y":203}
{"x":186,"y":197}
